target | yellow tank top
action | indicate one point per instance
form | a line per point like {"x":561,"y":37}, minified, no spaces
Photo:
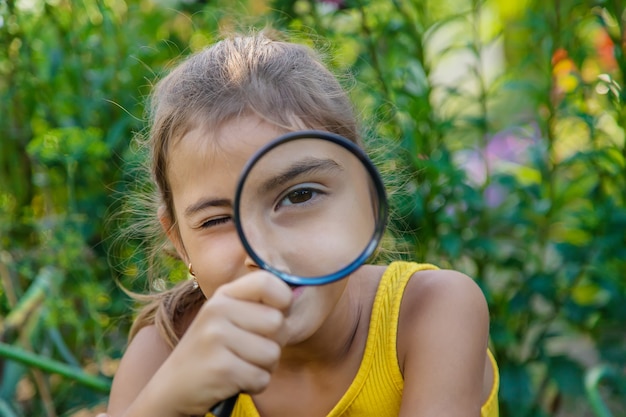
{"x":377,"y":387}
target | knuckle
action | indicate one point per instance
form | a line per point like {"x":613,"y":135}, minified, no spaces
{"x":265,"y":281}
{"x":259,"y":382}
{"x":213,"y":306}
{"x":214,"y":333}
{"x":219,"y":295}
{"x":274,"y":320}
{"x":273,"y":352}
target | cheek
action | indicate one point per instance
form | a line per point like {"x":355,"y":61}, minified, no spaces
{"x":216,"y":260}
{"x":323,"y":248}
{"x":340,"y":243}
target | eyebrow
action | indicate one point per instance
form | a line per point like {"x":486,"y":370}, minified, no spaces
{"x":304,"y":166}
{"x":207,"y":203}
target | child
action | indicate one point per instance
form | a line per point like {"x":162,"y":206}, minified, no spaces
{"x":402,"y":340}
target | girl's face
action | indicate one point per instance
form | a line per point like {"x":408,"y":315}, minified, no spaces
{"x":203,"y":169}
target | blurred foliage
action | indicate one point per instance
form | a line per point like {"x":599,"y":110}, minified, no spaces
{"x":508,"y":117}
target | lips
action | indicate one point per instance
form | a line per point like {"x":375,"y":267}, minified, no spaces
{"x":297,"y":290}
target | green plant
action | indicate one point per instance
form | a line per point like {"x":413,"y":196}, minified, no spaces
{"x":509,"y":118}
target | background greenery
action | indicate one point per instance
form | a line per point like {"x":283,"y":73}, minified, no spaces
{"x":511,"y":120}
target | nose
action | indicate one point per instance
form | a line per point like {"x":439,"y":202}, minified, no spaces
{"x":250,"y":263}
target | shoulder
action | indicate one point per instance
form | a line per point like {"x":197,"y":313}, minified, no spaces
{"x":149,"y":336}
{"x":436,"y":297}
{"x":441,"y":305}
{"x":437,"y":288}
{"x":443,"y":330}
{"x":144,"y":356}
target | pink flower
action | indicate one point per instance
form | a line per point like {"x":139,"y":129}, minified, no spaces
{"x":507,"y":152}
{"x":337,"y":4}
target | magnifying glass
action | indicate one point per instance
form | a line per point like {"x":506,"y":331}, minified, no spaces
{"x":311,"y":208}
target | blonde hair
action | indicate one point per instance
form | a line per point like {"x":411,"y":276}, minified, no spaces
{"x":282,"y":82}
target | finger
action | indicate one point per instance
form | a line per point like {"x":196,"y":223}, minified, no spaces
{"x":256,"y":379}
{"x":240,"y":376}
{"x":257,"y":318}
{"x":246,"y":376}
{"x":261,"y":287}
{"x":254,"y":349}
{"x":240,"y":327}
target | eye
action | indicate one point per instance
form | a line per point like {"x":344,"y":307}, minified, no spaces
{"x":215,"y":222}
{"x":299,"y":196}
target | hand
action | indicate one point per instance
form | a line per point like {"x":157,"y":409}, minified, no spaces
{"x":233,"y":345}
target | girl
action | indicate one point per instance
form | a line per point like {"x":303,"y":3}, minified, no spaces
{"x":402,"y":340}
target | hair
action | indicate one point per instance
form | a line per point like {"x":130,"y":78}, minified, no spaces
{"x":259,"y":74}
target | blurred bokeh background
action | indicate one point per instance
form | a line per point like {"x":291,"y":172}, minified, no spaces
{"x":508,"y":117}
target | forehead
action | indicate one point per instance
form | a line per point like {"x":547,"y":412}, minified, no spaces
{"x":237,"y":136}
{"x":204,"y":150}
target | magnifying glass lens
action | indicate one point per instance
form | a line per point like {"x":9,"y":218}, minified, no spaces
{"x":308,"y":208}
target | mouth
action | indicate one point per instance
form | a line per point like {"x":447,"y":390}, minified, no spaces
{"x":297,"y":290}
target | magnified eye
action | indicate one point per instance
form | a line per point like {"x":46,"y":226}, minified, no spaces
{"x":298,"y":196}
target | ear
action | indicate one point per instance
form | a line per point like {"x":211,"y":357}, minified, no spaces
{"x":171,"y":230}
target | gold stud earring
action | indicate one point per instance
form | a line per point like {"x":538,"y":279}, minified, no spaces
{"x":194,"y":281}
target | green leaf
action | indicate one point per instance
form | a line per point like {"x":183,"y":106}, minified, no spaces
{"x":516,"y":388}
{"x":567,"y":374}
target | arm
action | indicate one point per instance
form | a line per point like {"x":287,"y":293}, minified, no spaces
{"x":144,"y":356}
{"x":232,"y":345}
{"x":442,"y":345}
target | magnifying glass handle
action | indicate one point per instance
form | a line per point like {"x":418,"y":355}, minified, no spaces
{"x":225,"y":408}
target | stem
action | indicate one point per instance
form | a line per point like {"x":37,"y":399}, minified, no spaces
{"x":6,"y":410}
{"x":45,"y":282}
{"x":374,"y":54}
{"x":482,"y":88}
{"x":44,"y":392}
{"x":592,"y":387}
{"x":558,"y":305}
{"x":431,"y":138}
{"x":415,"y":33}
{"x":51,"y":366}
{"x":7,"y":279}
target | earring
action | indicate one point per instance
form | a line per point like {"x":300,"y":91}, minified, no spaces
{"x":194,"y":282}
